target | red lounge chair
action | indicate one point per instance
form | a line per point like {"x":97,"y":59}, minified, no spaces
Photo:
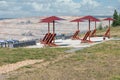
{"x":46,"y":37}
{"x":50,"y":41}
{"x":75,"y":36}
{"x":84,"y":40}
{"x":107,"y":34}
{"x":93,"y":34}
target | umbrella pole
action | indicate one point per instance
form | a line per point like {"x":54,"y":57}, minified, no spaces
{"x":95,"y":27}
{"x":89,"y":29}
{"x":78,"y":26}
{"x":53,"y":27}
{"x":109,"y":28}
{"x":53,"y":30}
{"x":48,"y":27}
{"x":95,"y":24}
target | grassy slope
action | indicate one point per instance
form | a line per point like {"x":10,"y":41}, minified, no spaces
{"x":8,"y":55}
{"x":100,"y":62}
{"x":115,"y":31}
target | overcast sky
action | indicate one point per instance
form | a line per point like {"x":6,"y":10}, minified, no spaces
{"x":27,"y":8}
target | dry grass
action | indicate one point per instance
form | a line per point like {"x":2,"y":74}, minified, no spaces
{"x":8,"y":55}
{"x":100,"y":62}
{"x":114,"y":31}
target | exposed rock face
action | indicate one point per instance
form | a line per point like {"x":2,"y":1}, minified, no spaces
{"x":32,"y":29}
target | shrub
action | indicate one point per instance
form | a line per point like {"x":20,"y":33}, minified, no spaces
{"x":100,"y":26}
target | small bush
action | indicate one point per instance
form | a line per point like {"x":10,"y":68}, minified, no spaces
{"x":100,"y":26}
{"x":106,"y":27}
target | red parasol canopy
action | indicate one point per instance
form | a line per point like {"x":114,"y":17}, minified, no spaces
{"x":109,"y":19}
{"x":90,"y":18}
{"x":77,"y":20}
{"x":95,"y":20}
{"x":51,"y":19}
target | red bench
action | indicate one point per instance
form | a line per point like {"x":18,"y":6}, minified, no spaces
{"x":50,"y":42}
{"x":46,"y":37}
{"x":75,"y":35}
{"x":107,"y":34}
{"x":93,"y":33}
{"x":84,"y":40}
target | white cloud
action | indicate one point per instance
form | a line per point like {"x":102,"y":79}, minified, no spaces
{"x":56,"y":6}
{"x":37,"y":7}
{"x":92,"y":3}
{"x":53,"y":7}
{"x":110,"y":7}
{"x":3,"y":4}
{"x":66,"y":6}
{"x":40,"y":7}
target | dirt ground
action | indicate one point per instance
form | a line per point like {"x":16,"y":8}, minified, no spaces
{"x":100,"y":62}
{"x":99,"y":68}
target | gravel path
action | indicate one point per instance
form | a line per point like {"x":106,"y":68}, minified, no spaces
{"x":115,"y":39}
{"x":82,"y":47}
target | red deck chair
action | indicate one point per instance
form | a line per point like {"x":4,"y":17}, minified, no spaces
{"x":84,"y":40}
{"x":75,"y":35}
{"x":93,"y":33}
{"x":47,"y":35}
{"x":107,"y":34}
{"x":50,"y":41}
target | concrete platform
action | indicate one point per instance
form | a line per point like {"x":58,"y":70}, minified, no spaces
{"x":72,"y":43}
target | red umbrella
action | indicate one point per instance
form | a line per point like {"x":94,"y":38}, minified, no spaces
{"x":109,"y":19}
{"x":51,"y":19}
{"x":95,"y":20}
{"x":94,"y":31}
{"x":89,"y":18}
{"x":48,"y":25}
{"x":77,"y":20}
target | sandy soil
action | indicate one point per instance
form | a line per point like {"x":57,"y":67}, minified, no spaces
{"x":20,"y":28}
{"x":12,"y":68}
{"x":15,"y":66}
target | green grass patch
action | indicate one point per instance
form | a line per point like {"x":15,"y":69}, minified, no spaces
{"x":110,"y":48}
{"x":8,"y":55}
{"x":115,"y":31}
{"x":116,"y":78}
{"x":103,"y":59}
{"x":99,"y":62}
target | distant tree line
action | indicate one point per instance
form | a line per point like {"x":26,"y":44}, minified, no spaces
{"x":116,"y":16}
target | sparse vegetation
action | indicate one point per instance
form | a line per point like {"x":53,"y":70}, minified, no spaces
{"x":115,"y":31}
{"x":99,"y":62}
{"x":100,"y":26}
{"x":8,"y":55}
